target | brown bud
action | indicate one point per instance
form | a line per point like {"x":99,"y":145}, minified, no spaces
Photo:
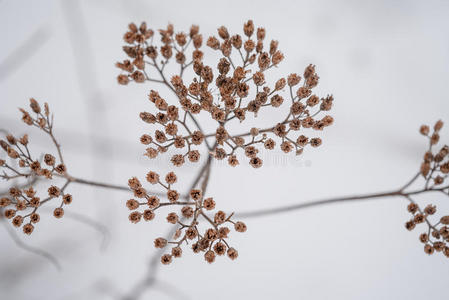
{"x":424,"y":130}
{"x":35,"y":106}
{"x":445,"y":220}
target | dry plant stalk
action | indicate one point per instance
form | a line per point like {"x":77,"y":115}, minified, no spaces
{"x":213,"y":237}
{"x":241,"y":89}
{"x":432,"y":178}
{"x":238,"y":90}
{"x":26,"y":200}
{"x":434,"y":171}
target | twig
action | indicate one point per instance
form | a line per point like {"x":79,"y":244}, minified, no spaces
{"x":294,"y":207}
{"x":23,"y":52}
{"x":102,"y":229}
{"x":107,"y":185}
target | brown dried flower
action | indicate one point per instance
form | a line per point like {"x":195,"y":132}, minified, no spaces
{"x":242,"y":89}
{"x":192,"y":209}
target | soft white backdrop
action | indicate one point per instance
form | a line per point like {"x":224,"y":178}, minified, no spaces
{"x":387,"y":64}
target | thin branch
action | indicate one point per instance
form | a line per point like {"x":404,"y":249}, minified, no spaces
{"x":294,"y":207}
{"x":107,"y":185}
{"x":24,"y":51}
{"x":102,"y":229}
{"x":197,"y":124}
{"x":411,"y":181}
{"x":100,"y":184}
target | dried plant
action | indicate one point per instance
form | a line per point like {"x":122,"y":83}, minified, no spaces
{"x":432,"y":178}
{"x":226,"y":91}
{"x":26,"y":201}
{"x":212,"y":241}
{"x":434,"y":171}
{"x":21,"y":202}
{"x":229,"y":92}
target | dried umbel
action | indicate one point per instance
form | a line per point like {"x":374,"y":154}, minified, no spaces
{"x":188,"y":219}
{"x":228,"y":90}
{"x":434,"y":171}
{"x":21,"y":205}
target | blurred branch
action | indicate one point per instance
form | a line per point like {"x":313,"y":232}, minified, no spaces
{"x":84,"y":58}
{"x":39,"y":252}
{"x":78,"y":142}
{"x":21,"y":54}
{"x":102,"y":229}
{"x":170,"y":289}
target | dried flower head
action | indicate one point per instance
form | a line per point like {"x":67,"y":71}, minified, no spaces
{"x":434,"y":172}
{"x":193,"y":208}
{"x":235,"y":88}
{"x":24,"y":165}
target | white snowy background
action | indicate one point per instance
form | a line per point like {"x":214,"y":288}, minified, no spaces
{"x":387,"y":64}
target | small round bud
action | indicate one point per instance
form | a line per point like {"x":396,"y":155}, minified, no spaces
{"x":58,"y":212}
{"x":160,"y":242}
{"x":240,"y":226}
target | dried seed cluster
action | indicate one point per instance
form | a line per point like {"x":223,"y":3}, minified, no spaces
{"x":434,"y":170}
{"x":227,"y":91}
{"x":22,"y":204}
{"x":189,"y":218}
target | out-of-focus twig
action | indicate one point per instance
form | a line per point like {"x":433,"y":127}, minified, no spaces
{"x":102,"y":229}
{"x":169,"y":289}
{"x":24,"y":51}
{"x":107,"y":185}
{"x":84,"y":58}
{"x":39,"y":252}
{"x":300,"y":206}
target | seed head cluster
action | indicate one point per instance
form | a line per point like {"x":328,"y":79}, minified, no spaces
{"x":21,"y":204}
{"x":192,"y":215}
{"x":230,"y":90}
{"x":434,"y":170}
{"x":234,"y":88}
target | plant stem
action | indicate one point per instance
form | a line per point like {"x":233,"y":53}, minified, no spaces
{"x":299,"y":206}
{"x":100,"y":184}
{"x":294,"y":207}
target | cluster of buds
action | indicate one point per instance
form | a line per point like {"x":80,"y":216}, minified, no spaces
{"x":434,"y":170}
{"x":435,"y":167}
{"x":17,"y":148}
{"x":188,"y":220}
{"x":142,"y":53}
{"x":21,"y":204}
{"x":226,"y":92}
{"x":171,"y":135}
